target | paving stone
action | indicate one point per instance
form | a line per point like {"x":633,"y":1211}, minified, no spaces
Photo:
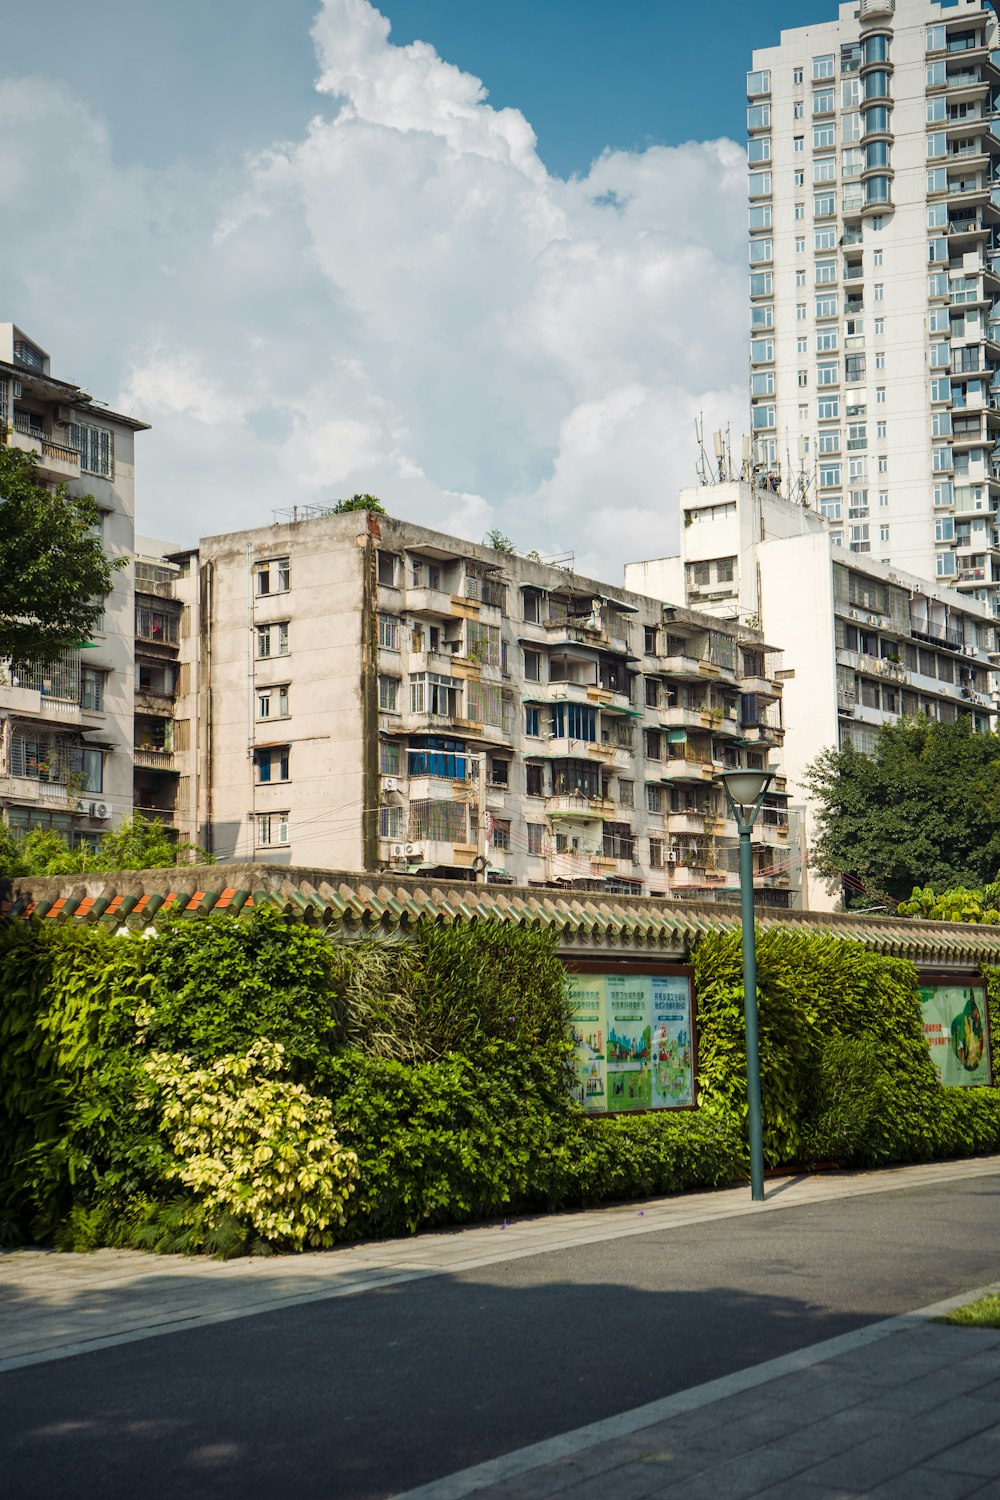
{"x":924,"y":1483}
{"x":743,"y":1476}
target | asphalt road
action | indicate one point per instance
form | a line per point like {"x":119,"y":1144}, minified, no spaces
{"x":364,"y":1396}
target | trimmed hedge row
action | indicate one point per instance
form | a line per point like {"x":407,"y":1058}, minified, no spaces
{"x":245,"y":1084}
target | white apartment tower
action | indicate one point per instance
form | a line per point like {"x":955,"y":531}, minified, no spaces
{"x":874,"y":184}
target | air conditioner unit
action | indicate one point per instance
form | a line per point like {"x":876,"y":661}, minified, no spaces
{"x":390,"y":784}
{"x":671,"y":856}
{"x":101,"y":810}
{"x":855,"y":615}
{"x":413,"y":851}
{"x":398,"y":851}
{"x":64,"y":416}
{"x":85,"y":807}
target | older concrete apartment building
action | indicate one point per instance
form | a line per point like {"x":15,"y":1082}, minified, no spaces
{"x":66,"y":729}
{"x":863,"y":642}
{"x":363,"y":693}
{"x":874,"y":222}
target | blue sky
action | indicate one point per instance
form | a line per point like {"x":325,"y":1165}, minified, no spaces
{"x":318,"y":258}
{"x":177,"y":77}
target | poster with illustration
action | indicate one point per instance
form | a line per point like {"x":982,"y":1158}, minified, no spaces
{"x":633,"y":1039}
{"x":673,"y":1042}
{"x":586,"y":996}
{"x":957,"y":1030}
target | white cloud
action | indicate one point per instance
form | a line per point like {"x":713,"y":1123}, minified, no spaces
{"x":402,"y":301}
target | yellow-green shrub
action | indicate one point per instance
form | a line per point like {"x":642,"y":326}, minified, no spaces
{"x":254,"y":1146}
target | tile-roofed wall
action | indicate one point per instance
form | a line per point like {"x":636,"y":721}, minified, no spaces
{"x":393,"y":904}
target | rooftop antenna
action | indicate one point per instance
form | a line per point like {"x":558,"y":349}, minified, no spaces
{"x":746,"y":472}
{"x":719,"y":443}
{"x":702,"y":465}
{"x":803,"y":481}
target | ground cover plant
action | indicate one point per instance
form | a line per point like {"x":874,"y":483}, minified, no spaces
{"x":248,"y":1084}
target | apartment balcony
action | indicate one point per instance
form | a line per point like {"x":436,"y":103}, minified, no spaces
{"x":694,"y":669}
{"x":52,"y":795}
{"x":56,"y":461}
{"x":682,"y":769}
{"x":676,"y":717}
{"x":605,"y":865}
{"x":429,"y":604}
{"x":762,"y":733}
{"x":578,"y":808}
{"x":155,"y":760}
{"x":760,"y":687}
{"x":153,"y":701}
{"x":685,"y":823}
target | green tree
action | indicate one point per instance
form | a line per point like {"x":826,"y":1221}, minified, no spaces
{"x":358,"y":502}
{"x":142,"y":844}
{"x":498,"y":541}
{"x":53,"y":571}
{"x":922,"y":810}
{"x":136,"y":844}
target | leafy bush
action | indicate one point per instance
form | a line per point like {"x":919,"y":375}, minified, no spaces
{"x":143,"y":1083}
{"x":815,"y":995}
{"x":253,"y":1147}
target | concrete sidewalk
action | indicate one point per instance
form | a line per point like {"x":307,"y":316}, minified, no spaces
{"x":906,"y":1408}
{"x":53,"y":1306}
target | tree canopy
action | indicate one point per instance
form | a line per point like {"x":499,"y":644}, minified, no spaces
{"x":358,"y":502}
{"x":136,"y":844}
{"x":922,"y":810}
{"x":54,"y":574}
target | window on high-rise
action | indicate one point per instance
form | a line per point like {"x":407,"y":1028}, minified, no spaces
{"x":877,"y":258}
{"x":759,"y":184}
{"x":822,"y":67}
{"x":798,"y":179}
{"x":879,"y":331}
{"x":824,"y":136}
{"x":799,"y":143}
{"x":803,"y":377}
{"x":879,"y":291}
{"x":937,"y":38}
{"x":825,"y":169}
{"x":796,"y":75}
{"x":801,"y":345}
{"x":850,"y":124}
{"x":800,"y":278}
{"x":824,"y":101}
{"x":798,"y":109}
{"x":800,"y":312}
{"x":826,"y":307}
{"x":759,"y":150}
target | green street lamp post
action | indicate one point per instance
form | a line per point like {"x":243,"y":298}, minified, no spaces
{"x":745,"y":792}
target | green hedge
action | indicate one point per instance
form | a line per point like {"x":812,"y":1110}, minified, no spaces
{"x":438,"y":1069}
{"x":846,"y":1073}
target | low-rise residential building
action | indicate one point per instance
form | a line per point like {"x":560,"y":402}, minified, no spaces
{"x":373,"y":695}
{"x":864,"y":644}
{"x":66,"y":728}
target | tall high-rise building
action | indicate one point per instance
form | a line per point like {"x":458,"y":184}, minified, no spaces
{"x":874,"y":185}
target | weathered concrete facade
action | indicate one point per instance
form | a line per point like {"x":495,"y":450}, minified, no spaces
{"x":375,"y":695}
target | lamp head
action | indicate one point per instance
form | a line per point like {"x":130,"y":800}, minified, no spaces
{"x":744,"y":790}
